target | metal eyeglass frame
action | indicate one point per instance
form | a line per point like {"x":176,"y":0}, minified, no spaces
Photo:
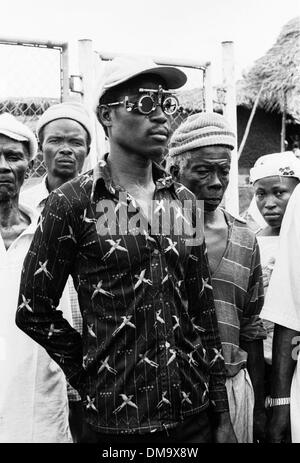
{"x":138,"y":105}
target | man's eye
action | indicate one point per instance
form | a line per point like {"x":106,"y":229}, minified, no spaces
{"x":259,"y":195}
{"x":202,"y":171}
{"x":14,"y":157}
{"x":279,"y":193}
{"x":76,"y":142}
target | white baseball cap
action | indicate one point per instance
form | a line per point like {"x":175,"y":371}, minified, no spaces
{"x":123,"y":68}
{"x":16,"y":130}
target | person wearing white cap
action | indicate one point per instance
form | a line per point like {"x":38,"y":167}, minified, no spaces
{"x":148,"y":364}
{"x":199,"y":157}
{"x":64,"y":133}
{"x":33,"y":396}
{"x":274,"y":178}
{"x":282,"y":299}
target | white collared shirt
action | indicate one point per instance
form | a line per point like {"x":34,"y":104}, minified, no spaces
{"x":35,"y":196}
{"x":33,"y":395}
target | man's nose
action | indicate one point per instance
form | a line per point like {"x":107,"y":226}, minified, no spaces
{"x":158,"y":115}
{"x":65,"y":148}
{"x":215,"y":180}
{"x":269,"y":202}
{"x":4,"y":165}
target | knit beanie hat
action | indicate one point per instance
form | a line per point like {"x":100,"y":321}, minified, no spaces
{"x":67,"y":110}
{"x":202,"y":129}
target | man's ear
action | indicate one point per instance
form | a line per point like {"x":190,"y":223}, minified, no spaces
{"x":104,"y":115}
{"x":175,"y":172}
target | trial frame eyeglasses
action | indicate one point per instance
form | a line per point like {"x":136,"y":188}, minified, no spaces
{"x":146,"y":103}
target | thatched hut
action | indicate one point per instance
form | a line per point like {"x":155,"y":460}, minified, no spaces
{"x":278,"y":73}
{"x":273,"y":83}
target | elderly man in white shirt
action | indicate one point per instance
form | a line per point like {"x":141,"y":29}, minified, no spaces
{"x":282,"y":307}
{"x":33,"y":394}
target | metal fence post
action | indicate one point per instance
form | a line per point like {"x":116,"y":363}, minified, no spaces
{"x":49,"y":77}
{"x":87,"y":70}
{"x":65,"y":72}
{"x":232,"y":192}
{"x":208,"y":90}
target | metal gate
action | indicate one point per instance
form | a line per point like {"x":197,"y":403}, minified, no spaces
{"x":34,"y":75}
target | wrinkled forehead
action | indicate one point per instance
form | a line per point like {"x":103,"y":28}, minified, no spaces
{"x":211,"y":155}
{"x":64,"y":126}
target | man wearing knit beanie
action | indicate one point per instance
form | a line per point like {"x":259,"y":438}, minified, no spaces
{"x":199,"y":157}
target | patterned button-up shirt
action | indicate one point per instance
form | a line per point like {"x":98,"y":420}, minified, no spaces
{"x":150,"y":353}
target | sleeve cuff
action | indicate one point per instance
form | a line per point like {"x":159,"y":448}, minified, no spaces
{"x":218,"y":399}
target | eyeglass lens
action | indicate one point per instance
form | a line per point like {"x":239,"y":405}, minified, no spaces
{"x":146,"y":104}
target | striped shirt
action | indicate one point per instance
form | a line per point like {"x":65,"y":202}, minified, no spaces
{"x":238,"y":294}
{"x":150,"y":352}
{"x":36,"y":198}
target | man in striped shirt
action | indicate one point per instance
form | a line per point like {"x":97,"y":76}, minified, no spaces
{"x":148,"y":365}
{"x":199,"y":157}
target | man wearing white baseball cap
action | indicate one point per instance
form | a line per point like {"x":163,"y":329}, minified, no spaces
{"x":148,"y":365}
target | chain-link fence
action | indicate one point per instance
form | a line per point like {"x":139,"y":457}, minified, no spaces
{"x":32,"y":79}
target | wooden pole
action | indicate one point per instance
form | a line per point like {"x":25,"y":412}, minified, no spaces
{"x":283,"y":124}
{"x":247,"y":130}
{"x":232,"y":193}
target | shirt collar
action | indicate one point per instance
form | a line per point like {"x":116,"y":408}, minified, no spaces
{"x":30,"y":230}
{"x":44,"y":192}
{"x":33,"y":215}
{"x":101,"y":172}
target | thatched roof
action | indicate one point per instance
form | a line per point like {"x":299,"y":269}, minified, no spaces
{"x":279,"y":72}
{"x":193,"y":100}
{"x":279,"y":69}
